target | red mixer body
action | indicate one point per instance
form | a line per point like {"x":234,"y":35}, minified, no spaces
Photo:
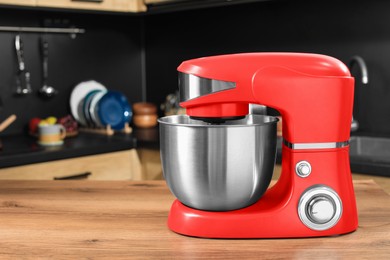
{"x":314,"y":95}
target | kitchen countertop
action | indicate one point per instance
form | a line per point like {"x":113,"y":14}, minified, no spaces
{"x":23,"y":149}
{"x":359,"y":164}
{"x":91,"y":219}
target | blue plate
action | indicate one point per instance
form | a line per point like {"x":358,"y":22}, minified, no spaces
{"x":114,"y":110}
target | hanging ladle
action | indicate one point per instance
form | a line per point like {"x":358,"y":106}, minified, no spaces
{"x":46,"y":90}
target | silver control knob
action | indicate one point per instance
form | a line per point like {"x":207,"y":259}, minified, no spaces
{"x":320,"y":207}
{"x":303,"y":169}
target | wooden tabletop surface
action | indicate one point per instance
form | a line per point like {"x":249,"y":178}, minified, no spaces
{"x":92,"y":219}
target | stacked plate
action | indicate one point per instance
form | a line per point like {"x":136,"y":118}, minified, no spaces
{"x":93,"y":105}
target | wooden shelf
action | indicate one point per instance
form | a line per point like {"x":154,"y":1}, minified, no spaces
{"x":19,"y":2}
{"x":125,"y":6}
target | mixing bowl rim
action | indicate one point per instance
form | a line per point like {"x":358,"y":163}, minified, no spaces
{"x":273,"y":120}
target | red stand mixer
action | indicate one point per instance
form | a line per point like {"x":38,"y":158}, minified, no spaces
{"x":314,"y":195}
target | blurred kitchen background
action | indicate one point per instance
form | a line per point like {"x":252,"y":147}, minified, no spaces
{"x":135,"y":48}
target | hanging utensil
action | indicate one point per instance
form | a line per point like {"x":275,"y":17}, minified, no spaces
{"x":9,"y":120}
{"x":46,"y":90}
{"x":3,"y":125}
{"x":23,"y":85}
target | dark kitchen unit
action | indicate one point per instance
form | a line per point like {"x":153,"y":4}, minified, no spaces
{"x":138,"y":53}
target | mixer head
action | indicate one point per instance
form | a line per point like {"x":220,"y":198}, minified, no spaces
{"x":309,"y":91}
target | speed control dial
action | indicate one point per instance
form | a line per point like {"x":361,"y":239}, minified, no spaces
{"x":320,"y":208}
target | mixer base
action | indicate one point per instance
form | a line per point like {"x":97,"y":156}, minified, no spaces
{"x":276,"y":215}
{"x":244,"y":223}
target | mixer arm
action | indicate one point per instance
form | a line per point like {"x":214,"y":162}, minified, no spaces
{"x":314,"y":108}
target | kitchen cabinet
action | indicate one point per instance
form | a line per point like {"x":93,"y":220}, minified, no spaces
{"x":150,"y":164}
{"x":122,"y":165}
{"x":103,"y":5}
{"x":18,"y":2}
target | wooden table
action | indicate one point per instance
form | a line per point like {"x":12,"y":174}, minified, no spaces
{"x":91,"y":219}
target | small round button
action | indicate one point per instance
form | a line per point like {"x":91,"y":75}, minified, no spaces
{"x":321,"y":209}
{"x":303,"y":169}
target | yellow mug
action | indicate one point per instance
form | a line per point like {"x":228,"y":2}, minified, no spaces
{"x":51,"y":134}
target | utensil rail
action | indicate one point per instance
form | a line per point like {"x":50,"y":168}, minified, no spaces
{"x":72,"y":31}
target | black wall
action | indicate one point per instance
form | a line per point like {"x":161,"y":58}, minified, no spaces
{"x":112,"y":51}
{"x":109,"y":52}
{"x":337,"y":28}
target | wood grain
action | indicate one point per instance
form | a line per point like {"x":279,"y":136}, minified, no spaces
{"x":109,"y":220}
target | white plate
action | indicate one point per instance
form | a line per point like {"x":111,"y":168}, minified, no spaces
{"x":92,"y":108}
{"x":77,"y":98}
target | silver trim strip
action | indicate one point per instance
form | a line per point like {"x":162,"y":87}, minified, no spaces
{"x":307,"y":146}
{"x":192,"y":86}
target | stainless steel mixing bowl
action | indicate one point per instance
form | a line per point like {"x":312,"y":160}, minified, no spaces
{"x":218,"y":167}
